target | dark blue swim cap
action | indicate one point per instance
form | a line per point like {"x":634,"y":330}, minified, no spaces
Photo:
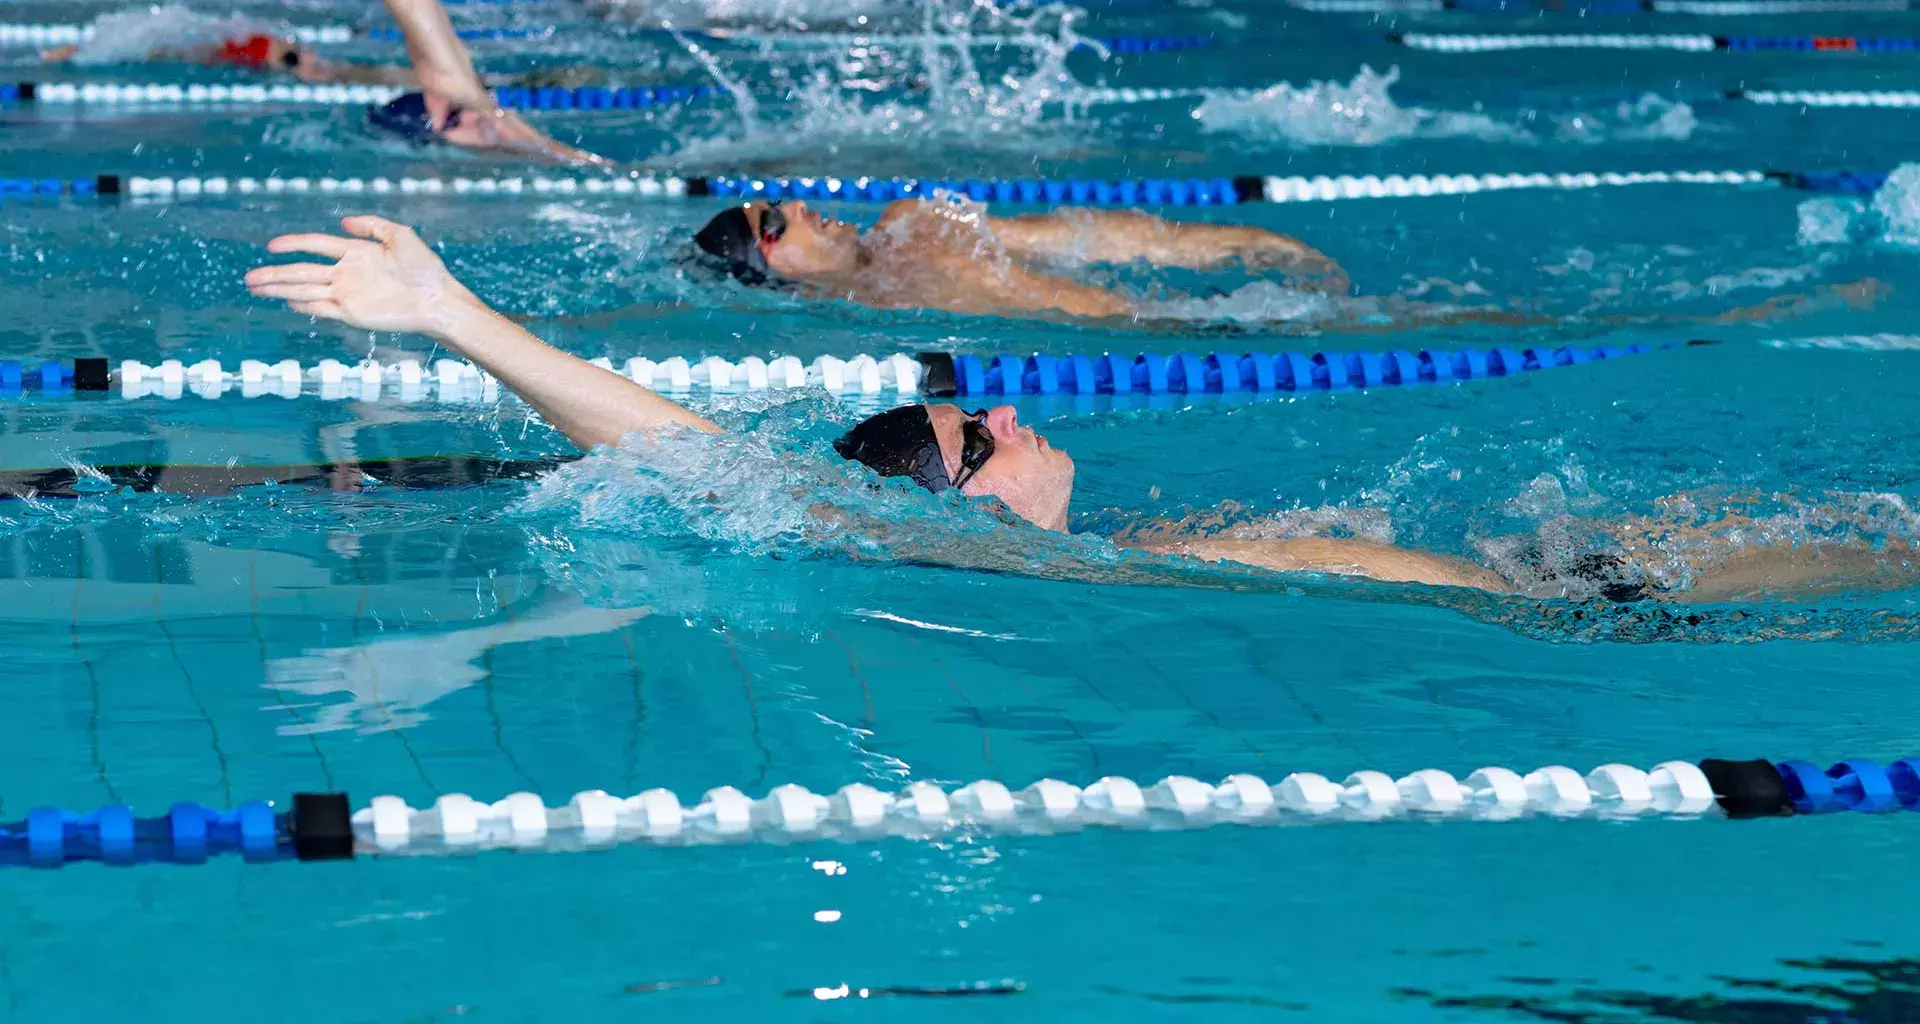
{"x":406,"y":116}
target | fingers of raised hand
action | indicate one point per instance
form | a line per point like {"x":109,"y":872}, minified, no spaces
{"x":378,"y":228}
{"x":290,"y":273}
{"x":294,"y":293}
{"x":332,"y":247}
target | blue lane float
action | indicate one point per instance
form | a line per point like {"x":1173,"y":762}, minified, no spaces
{"x":944,"y":374}
{"x":326,"y":827}
{"x":590,"y":97}
{"x":1218,"y":373}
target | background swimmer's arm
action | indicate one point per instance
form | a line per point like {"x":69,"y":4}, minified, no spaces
{"x":1335,"y":556}
{"x":439,"y":59}
{"x":393,"y":282}
{"x":350,"y":73}
{"x":1123,"y":236}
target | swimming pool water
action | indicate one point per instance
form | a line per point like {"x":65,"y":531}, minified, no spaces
{"x":593,"y":630}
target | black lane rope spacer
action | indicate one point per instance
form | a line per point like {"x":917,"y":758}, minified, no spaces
{"x":322,"y":826}
{"x":937,"y":377}
{"x":90,"y":375}
{"x":1250,"y":188}
{"x":26,"y":92}
{"x":698,"y":187}
{"x":107,"y":184}
{"x":1748,"y":789}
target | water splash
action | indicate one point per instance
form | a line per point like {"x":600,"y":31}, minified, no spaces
{"x":133,"y":35}
{"x":1363,"y":113}
{"x":1257,"y":302}
{"x":871,"y":101}
{"x":1890,"y":217}
{"x":1358,"y":113}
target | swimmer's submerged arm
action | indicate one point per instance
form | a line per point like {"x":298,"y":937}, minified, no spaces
{"x":1335,"y":556}
{"x":388,"y":280}
{"x":1123,"y":236}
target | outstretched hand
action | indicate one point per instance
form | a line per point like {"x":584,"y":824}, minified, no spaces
{"x":384,"y":280}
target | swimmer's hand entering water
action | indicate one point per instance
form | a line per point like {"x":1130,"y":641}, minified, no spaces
{"x":387,"y":279}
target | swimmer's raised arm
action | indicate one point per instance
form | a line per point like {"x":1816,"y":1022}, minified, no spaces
{"x":1123,"y":236}
{"x":388,"y":280}
{"x":440,"y":60}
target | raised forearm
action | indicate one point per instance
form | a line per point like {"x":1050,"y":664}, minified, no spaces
{"x":439,"y":58}
{"x":590,"y":405}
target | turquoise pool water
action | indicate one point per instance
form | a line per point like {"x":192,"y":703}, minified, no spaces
{"x":591,"y":630}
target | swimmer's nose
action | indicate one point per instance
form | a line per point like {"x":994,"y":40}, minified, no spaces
{"x":1004,"y":422}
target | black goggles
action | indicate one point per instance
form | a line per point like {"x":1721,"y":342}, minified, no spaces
{"x":976,"y":446}
{"x":773,"y":224}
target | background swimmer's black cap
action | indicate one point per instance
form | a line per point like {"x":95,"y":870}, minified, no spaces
{"x":898,"y":442}
{"x":730,"y":238}
{"x":406,"y":116}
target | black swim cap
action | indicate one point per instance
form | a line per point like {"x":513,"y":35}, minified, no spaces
{"x":898,"y":442}
{"x":406,"y":116}
{"x":730,"y":238}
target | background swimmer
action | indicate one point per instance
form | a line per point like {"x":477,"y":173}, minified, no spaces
{"x":454,"y":106}
{"x":180,"y":34}
{"x":946,"y":253}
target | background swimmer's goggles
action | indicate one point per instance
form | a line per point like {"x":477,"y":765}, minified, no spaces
{"x":407,"y":116}
{"x":901,"y":442}
{"x":741,"y":250}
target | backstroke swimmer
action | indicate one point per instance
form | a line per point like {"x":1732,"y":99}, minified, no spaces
{"x":386,"y":279}
{"x":449,"y":103}
{"x":947,"y":253}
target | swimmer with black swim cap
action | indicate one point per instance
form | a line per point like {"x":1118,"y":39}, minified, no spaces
{"x":739,"y":243}
{"x":386,"y":278}
{"x":945,"y":252}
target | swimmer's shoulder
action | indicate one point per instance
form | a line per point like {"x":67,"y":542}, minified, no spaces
{"x":897,"y":211}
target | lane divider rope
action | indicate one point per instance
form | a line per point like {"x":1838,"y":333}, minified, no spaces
{"x":60,"y":34}
{"x":326,"y":826}
{"x":940,"y":374}
{"x":1126,"y":192}
{"x":510,"y":97}
{"x":1581,"y":8}
{"x":1830,"y":98}
{"x":1694,"y":43}
{"x":16,"y":33}
{"x":1812,"y":98}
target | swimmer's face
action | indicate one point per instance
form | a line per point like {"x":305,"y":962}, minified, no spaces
{"x":811,"y":244}
{"x":1032,"y":477}
{"x":302,"y":63}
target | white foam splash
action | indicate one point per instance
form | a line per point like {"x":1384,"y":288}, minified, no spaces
{"x":1829,"y":220}
{"x":929,"y":91}
{"x":1358,"y":113}
{"x":1363,"y":113}
{"x":1891,"y":217}
{"x":1252,"y":303}
{"x":135,"y":34}
{"x":1898,"y":204}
